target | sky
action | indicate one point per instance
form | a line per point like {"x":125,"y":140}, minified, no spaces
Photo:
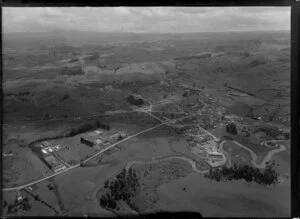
{"x":145,"y":19}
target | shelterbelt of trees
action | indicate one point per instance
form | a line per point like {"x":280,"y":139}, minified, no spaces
{"x":267,"y":176}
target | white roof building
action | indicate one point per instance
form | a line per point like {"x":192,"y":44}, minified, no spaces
{"x":98,"y":132}
{"x":98,"y":141}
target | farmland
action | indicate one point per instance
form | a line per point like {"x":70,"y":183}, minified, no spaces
{"x":76,"y":114}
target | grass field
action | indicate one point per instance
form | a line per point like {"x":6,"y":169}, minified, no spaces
{"x":80,"y":195}
{"x":238,"y":155}
{"x":152,"y":175}
{"x":22,"y":168}
{"x":228,"y":199}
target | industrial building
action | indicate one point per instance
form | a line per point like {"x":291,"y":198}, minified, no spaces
{"x":53,"y":163}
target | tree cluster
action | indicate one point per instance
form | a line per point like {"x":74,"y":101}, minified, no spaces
{"x":87,"y":127}
{"x":103,"y":126}
{"x":124,"y":187}
{"x":66,"y":96}
{"x":86,"y":142}
{"x":135,"y":101}
{"x":267,"y":176}
{"x":185,"y":94}
{"x":231,"y":128}
{"x":23,"y":205}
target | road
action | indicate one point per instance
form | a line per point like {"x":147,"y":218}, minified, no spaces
{"x":100,"y":152}
{"x":88,"y":159}
{"x":254,"y":157}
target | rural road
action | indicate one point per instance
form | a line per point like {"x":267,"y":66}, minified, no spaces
{"x":254,"y":157}
{"x":88,"y":159}
{"x":95,"y":155}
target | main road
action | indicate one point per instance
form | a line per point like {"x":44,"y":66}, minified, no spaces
{"x":88,"y":159}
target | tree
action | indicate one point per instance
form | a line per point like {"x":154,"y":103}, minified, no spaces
{"x":185,"y":94}
{"x":106,"y":183}
{"x":286,"y":135}
{"x":231,"y":128}
{"x":4,"y":203}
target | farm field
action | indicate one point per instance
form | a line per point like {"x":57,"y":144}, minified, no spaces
{"x":251,"y":200}
{"x":141,"y":120}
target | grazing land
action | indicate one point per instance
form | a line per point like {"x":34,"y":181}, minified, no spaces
{"x":78,"y":114}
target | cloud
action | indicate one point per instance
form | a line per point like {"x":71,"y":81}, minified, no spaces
{"x":146,"y":19}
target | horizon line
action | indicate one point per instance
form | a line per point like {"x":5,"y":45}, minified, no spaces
{"x":133,"y":32}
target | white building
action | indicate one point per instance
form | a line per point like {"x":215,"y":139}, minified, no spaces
{"x":98,"y":141}
{"x":98,"y":132}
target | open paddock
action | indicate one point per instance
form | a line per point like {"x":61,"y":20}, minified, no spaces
{"x":238,"y":155}
{"x":211,"y":199}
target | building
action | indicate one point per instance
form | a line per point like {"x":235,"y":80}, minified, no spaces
{"x":59,"y":168}
{"x":215,"y":156}
{"x":98,"y":132}
{"x":98,"y":141}
{"x":122,"y":134}
{"x":54,"y":164}
{"x":45,"y":144}
{"x":44,"y":151}
{"x":56,"y":147}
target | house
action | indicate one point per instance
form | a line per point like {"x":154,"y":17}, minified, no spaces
{"x":44,"y":151}
{"x":122,"y":134}
{"x":29,"y":188}
{"x":56,"y":147}
{"x":98,"y":132}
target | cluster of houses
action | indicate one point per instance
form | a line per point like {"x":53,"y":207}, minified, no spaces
{"x":206,"y":147}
